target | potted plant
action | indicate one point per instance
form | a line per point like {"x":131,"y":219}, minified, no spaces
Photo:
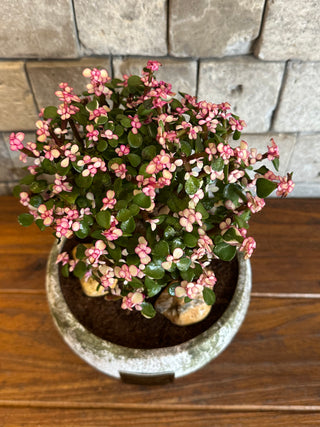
{"x":151,"y":190}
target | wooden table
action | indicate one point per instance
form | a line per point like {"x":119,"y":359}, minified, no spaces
{"x":269,"y":375}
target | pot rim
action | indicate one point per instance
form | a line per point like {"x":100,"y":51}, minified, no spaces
{"x":75,"y":334}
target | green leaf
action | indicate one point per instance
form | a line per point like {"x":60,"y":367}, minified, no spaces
{"x":83,"y":231}
{"x":128,"y":226}
{"x":92,"y":105}
{"x":50,"y":112}
{"x":192,"y":185}
{"x":134,"y":209}
{"x":102,"y":120}
{"x":36,"y":201}
{"x":190,"y":240}
{"x":80,"y":252}
{"x":188,"y":275}
{"x":209,"y":296}
{"x":135,"y":140}
{"x":233,"y":192}
{"x":142,"y":200}
{"x":231,"y":236}
{"x":102,"y":145}
{"x":134,"y":82}
{"x":27,"y":180}
{"x":134,"y":159}
{"x":83,"y":181}
{"x":169,"y":232}
{"x":236,"y":135}
{"x":124,"y":215}
{"x":262,"y":170}
{"x":186,"y":148}
{"x":224,"y":251}
{"x":115,"y":253}
{"x":172,"y":288}
{"x":161,"y":249}
{"x":200,"y":208}
{"x":65,"y":270}
{"x":183,"y":264}
{"x":148,"y":310}
{"x":153,"y":287}
{"x":25,"y":219}
{"x":154,"y":270}
{"x":125,"y":122}
{"x":38,"y":186}
{"x":80,"y":269}
{"x":70,"y":196}
{"x":276,"y":163}
{"x":265,"y":187}
{"x":149,"y":152}
{"x":218,"y":164}
{"x":103,"y":219}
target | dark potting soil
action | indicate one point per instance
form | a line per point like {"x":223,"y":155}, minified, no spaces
{"x":107,"y":320}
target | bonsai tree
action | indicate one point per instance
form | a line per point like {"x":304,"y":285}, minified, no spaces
{"x":151,"y":187}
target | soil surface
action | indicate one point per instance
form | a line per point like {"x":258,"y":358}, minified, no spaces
{"x":109,"y":321}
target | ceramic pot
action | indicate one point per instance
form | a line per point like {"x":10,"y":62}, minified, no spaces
{"x":150,"y":365}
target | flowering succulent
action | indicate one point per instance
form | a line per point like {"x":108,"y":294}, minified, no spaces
{"x":152,"y":187}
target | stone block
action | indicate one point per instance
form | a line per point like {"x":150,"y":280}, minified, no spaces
{"x":299,"y":104}
{"x":290,"y":31}
{"x":6,"y":164}
{"x":4,"y":189}
{"x":213,"y":28}
{"x":45,"y":77}
{"x":16,"y":100}
{"x":305,"y":160}
{"x":37,"y":29}
{"x":122,"y":27}
{"x":182,"y":74}
{"x":250,"y":86}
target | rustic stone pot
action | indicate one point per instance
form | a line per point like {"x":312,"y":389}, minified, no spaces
{"x":151,"y":365}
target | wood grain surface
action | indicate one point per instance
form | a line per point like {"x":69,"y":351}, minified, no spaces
{"x":269,"y":375}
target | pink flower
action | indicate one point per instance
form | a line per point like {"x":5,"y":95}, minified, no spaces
{"x":211,"y":150}
{"x":66,"y":95}
{"x":113,"y":233}
{"x":194,"y":290}
{"x":108,"y":280}
{"x":24,"y":198}
{"x":242,"y":153}
{"x":93,"y":254}
{"x":46,"y":215}
{"x":255,"y":204}
{"x":207,"y":279}
{"x":135,"y":123}
{"x":285,"y":186}
{"x":235,"y":175}
{"x":174,"y":258}
{"x":109,"y":201}
{"x":98,"y":78}
{"x":189,"y":217}
{"x":119,"y":170}
{"x":237,"y":124}
{"x":109,"y":135}
{"x":143,"y":251}
{"x":204,"y":241}
{"x":158,"y":163}
{"x":93,"y":134}
{"x":226,"y":151}
{"x":133,"y":300}
{"x":16,"y":141}
{"x":126,"y":272}
{"x":67,"y":110}
{"x":123,"y":150}
{"x":43,"y":130}
{"x":248,"y":246}
{"x":60,"y":185}
{"x":63,"y":257}
{"x":273,"y":151}
{"x":153,"y":65}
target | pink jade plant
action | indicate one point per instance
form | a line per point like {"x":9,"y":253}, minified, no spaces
{"x":149,"y":181}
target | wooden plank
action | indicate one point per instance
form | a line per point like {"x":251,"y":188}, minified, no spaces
{"x":274,"y":360}
{"x":165,"y":418}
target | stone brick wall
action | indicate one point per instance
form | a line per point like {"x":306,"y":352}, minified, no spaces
{"x":262,"y":56}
